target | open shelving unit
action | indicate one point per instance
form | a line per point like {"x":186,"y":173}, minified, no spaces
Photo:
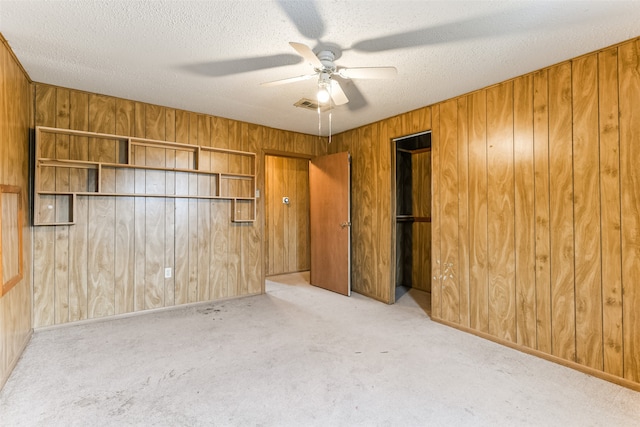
{"x":90,"y":170}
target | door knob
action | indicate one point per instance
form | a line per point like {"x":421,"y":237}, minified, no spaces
{"x":345,"y":224}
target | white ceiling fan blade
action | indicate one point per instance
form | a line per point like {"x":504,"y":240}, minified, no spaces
{"x":306,"y":52}
{"x":368,"y":72}
{"x":289,"y":80}
{"x":337,"y":94}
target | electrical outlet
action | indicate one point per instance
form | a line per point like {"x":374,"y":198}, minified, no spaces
{"x":167,"y":272}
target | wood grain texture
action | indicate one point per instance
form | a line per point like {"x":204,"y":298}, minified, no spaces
{"x":62,"y":214}
{"x":449,"y":214}
{"x":78,"y":237}
{"x":119,"y":267}
{"x":500,"y":213}
{"x":181,"y":224}
{"x":463,"y":209}
{"x":101,"y":231}
{"x":561,"y":208}
{"x":610,"y":221}
{"x":365,"y":198}
{"x":542,"y":209}
{"x":629,"y":84}
{"x":586,"y":208}
{"x":254,"y":256}
{"x":478,"y":210}
{"x":170,"y":208}
{"x":385,"y":212}
{"x":44,"y":237}
{"x":559,"y":158}
{"x":436,"y":214}
{"x":287,"y":225}
{"x":421,"y":242}
{"x":16,"y":304}
{"x":524,"y":209}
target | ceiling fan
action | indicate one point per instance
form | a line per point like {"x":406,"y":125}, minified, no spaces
{"x":325,"y":69}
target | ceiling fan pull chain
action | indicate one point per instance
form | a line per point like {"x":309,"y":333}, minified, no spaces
{"x":330,"y":109}
{"x":330,"y":114}
{"x":319,"y":123}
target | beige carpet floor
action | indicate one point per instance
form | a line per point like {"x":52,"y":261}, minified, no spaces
{"x":296,"y":356}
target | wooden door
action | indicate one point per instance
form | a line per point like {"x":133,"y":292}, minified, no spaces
{"x":330,"y":222}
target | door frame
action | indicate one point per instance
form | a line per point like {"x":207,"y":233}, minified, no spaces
{"x":261,"y":205}
{"x":394,"y":210}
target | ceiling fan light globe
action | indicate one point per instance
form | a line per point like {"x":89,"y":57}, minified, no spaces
{"x":323,"y":95}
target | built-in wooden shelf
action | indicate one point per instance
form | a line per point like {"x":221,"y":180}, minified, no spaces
{"x":411,"y":218}
{"x":64,"y":174}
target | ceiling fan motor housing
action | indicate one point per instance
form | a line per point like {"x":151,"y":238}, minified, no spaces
{"x":327,"y":57}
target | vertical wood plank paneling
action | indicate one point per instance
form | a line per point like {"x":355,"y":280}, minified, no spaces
{"x":155,"y":183}
{"x":235,"y":235}
{"x":366,"y":199}
{"x":244,"y":228}
{"x":629,"y":64}
{"x":610,"y":211}
{"x":463,"y":210}
{"x":360,"y":199}
{"x":61,"y":279}
{"x":254,"y":262}
{"x":500,"y":219}
{"x":421,"y":240}
{"x":588,"y":279}
{"x":561,"y":207}
{"x":303,"y":261}
{"x":78,"y":234}
{"x":44,"y":237}
{"x":170,"y":208}
{"x":381,"y":214}
{"x":436,"y":253}
{"x":287,"y":184}
{"x":478,"y":264}
{"x":140,"y":211}
{"x":220,"y":250}
{"x":386,"y":274}
{"x":218,"y":228}
{"x":193,"y":218}
{"x":204,"y":210}
{"x":125,"y":218}
{"x":181,"y":270}
{"x":542,"y":210}
{"x":523,"y":236}
{"x":101,"y":232}
{"x":525,"y":256}
{"x":450,"y":261}
{"x":16,"y":94}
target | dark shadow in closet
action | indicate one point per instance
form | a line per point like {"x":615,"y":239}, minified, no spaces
{"x":413,"y":200}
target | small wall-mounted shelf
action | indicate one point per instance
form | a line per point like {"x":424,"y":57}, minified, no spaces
{"x":71,"y":164}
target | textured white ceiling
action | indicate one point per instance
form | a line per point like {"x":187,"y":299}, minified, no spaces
{"x":211,"y":56}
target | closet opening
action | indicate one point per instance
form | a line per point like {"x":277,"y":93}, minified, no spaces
{"x":412,"y":220}
{"x":286,"y":213}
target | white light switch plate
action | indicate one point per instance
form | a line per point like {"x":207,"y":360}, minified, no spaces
{"x":167,"y":272}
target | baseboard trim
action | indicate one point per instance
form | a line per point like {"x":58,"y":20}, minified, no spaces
{"x":15,"y":360}
{"x":139,"y":313}
{"x":567,"y":363}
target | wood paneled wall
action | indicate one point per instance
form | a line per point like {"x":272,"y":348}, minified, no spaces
{"x":372,"y":202}
{"x":287,"y":226}
{"x":15,"y":116}
{"x":536,"y":211}
{"x":112,"y":260}
{"x":421,"y":230}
